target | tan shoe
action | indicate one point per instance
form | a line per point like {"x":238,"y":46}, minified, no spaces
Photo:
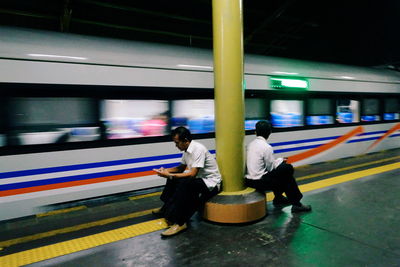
{"x":174,"y":229}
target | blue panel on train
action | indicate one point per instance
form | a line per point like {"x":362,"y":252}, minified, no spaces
{"x":390,"y":116}
{"x":345,"y":117}
{"x":208,"y":124}
{"x":369,"y":118}
{"x":295,"y":120}
{"x":313,"y":120}
{"x":319,"y":120}
{"x":178,"y":121}
{"x":196,"y":125}
{"x":325,"y":119}
{"x":278,"y":120}
{"x":286,"y":120}
{"x":202,"y":125}
{"x":84,"y":131}
{"x":250,"y":124}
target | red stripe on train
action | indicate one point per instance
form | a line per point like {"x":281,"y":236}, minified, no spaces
{"x":73,"y":183}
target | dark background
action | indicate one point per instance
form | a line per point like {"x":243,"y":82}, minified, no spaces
{"x":364,"y":33}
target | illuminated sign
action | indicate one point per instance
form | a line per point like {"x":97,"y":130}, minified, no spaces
{"x":289,"y":83}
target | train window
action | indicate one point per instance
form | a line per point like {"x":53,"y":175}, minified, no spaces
{"x":3,"y":114}
{"x":392,"y":109}
{"x":255,"y":109}
{"x":286,"y":113}
{"x":347,"y":111}
{"x":196,"y":114}
{"x":319,"y":111}
{"x":46,"y":120}
{"x":2,"y":140}
{"x":370,"y":110}
{"x":134,"y":118}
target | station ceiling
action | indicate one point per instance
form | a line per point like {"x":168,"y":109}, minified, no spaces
{"x":354,"y":32}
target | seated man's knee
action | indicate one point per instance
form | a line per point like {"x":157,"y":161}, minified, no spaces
{"x":288,"y":167}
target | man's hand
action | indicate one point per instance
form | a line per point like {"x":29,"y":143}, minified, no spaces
{"x":162,"y":172}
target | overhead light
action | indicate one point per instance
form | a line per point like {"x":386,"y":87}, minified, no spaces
{"x":195,"y":66}
{"x":285,"y":73}
{"x":57,"y":56}
{"x":346,"y":77}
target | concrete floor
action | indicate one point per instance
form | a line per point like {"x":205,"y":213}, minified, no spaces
{"x":356,"y":223}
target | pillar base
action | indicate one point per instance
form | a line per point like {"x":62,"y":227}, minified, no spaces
{"x":236,"y":207}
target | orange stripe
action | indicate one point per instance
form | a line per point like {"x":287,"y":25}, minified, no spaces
{"x":73,"y":183}
{"x":317,"y":150}
{"x":392,"y":130}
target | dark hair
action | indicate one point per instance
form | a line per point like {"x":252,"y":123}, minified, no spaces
{"x":263,"y":128}
{"x":183,"y":134}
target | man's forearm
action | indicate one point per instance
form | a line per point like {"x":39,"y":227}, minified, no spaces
{"x":175,"y":170}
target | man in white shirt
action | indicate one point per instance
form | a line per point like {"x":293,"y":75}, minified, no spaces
{"x":264,"y":172}
{"x":186,"y":191}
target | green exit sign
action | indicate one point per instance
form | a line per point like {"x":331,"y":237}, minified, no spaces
{"x":289,"y":83}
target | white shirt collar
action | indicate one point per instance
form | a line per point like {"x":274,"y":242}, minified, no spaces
{"x":190,"y":147}
{"x":261,"y":138}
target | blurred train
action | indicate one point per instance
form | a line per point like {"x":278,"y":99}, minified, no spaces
{"x":83,"y":117}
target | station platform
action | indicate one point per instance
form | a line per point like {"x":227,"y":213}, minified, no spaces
{"x":354,"y":222}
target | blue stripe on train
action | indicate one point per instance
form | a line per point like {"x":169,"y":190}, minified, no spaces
{"x":327,"y":138}
{"x":371,"y":133}
{"x":85,"y":166}
{"x":363,"y":139}
{"x":295,"y":148}
{"x":370,"y":138}
{"x":303,"y":141}
{"x":88,"y":165}
{"x":80,"y":177}
{"x":319,"y":139}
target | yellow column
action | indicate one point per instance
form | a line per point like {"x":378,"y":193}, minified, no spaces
{"x":229,"y":93}
{"x":236,"y":204}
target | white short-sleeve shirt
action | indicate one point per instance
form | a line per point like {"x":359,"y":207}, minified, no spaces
{"x":260,"y":159}
{"x":197,"y":156}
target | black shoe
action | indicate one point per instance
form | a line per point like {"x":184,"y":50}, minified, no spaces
{"x":301,"y":208}
{"x":158,"y":212}
{"x":281,"y":202}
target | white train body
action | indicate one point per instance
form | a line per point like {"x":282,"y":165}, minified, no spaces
{"x":50,"y":174}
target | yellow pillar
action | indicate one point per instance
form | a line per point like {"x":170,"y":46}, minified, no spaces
{"x":229,"y":94}
{"x":236,"y":204}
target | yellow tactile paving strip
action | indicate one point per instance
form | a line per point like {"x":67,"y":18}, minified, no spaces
{"x":71,"y":246}
{"x":346,"y":168}
{"x":144,"y":196}
{"x":348,"y":177}
{"x":74,"y":228}
{"x":53,"y":212}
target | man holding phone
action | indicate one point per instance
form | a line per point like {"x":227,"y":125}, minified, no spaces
{"x":185,"y":191}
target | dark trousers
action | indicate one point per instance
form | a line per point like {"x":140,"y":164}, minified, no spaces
{"x":182,"y":197}
{"x":279,"y":181}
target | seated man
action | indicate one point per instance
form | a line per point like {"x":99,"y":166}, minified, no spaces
{"x":264,"y":172}
{"x":185,"y":192}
